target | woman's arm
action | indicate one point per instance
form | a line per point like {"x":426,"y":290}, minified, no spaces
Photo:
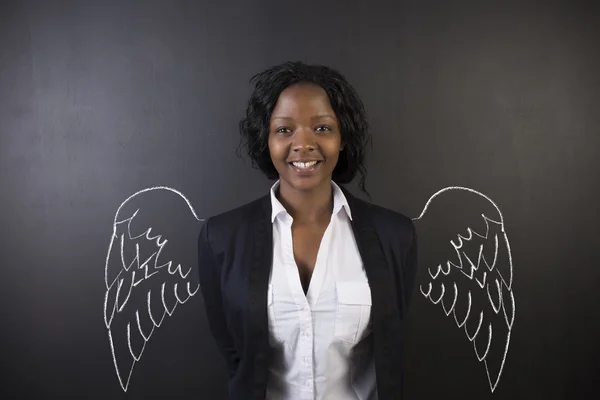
{"x":210,"y":285}
{"x":410,"y":270}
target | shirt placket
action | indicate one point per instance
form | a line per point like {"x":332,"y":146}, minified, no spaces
{"x":304,"y":350}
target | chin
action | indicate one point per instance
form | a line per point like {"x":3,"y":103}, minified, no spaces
{"x":305,"y":184}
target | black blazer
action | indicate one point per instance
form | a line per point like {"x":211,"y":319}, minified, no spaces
{"x":235,"y":252}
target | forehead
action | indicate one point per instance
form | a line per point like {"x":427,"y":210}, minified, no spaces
{"x":302,"y":98}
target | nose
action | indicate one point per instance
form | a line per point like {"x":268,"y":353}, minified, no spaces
{"x":304,"y":139}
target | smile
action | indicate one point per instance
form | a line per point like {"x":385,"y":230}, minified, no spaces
{"x":305,"y":168}
{"x":304,"y":165}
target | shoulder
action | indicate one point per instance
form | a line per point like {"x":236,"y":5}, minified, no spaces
{"x":239,"y":219}
{"x":388,"y":223}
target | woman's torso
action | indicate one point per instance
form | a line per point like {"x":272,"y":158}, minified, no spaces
{"x":319,"y":334}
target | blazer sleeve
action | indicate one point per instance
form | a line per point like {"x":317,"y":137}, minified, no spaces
{"x":409,"y":272}
{"x":210,"y":285}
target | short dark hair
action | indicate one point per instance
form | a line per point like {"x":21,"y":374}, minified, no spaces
{"x":349,"y":110}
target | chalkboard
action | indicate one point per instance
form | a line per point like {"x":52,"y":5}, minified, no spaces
{"x":118,"y":136}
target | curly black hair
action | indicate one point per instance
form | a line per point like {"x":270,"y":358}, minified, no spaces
{"x":349,"y":109}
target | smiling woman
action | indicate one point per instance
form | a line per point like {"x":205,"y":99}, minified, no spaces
{"x":306,"y":288}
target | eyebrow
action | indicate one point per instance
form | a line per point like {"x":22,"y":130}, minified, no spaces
{"x":312,"y":118}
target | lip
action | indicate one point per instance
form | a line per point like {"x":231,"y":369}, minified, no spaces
{"x":303,"y":161}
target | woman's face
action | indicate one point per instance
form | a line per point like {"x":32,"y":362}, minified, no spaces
{"x":304,"y":137}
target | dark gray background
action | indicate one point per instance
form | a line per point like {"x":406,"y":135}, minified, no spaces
{"x":99,"y":99}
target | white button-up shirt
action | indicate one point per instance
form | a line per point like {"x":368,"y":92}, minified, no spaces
{"x":318,"y":340}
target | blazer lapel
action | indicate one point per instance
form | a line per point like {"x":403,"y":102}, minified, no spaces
{"x":258,"y":324}
{"x":383,"y":294}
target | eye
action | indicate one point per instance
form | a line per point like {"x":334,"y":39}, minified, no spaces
{"x":323,"y":128}
{"x":282,"y":129}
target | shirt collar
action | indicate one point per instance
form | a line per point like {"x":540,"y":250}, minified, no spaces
{"x":339,"y":202}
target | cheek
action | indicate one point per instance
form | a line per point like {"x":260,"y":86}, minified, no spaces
{"x":276,"y":150}
{"x":271,"y":145}
{"x":334,"y":147}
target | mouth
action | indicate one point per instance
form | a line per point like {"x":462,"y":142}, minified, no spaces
{"x":306,"y":167}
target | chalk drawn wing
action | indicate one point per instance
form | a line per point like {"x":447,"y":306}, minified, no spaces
{"x":145,"y":278}
{"x":465,"y":249}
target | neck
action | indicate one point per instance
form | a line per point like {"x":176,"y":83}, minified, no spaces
{"x":307,"y":206}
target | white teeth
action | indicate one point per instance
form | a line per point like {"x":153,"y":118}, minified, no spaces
{"x":304,"y":165}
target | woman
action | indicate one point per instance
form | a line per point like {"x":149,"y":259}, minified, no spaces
{"x":306,"y":288}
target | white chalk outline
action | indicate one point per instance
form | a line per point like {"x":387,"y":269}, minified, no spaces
{"x":171,"y":268}
{"x":509,"y":319}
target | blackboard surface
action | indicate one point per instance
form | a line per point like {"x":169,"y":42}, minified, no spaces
{"x":101,"y":100}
